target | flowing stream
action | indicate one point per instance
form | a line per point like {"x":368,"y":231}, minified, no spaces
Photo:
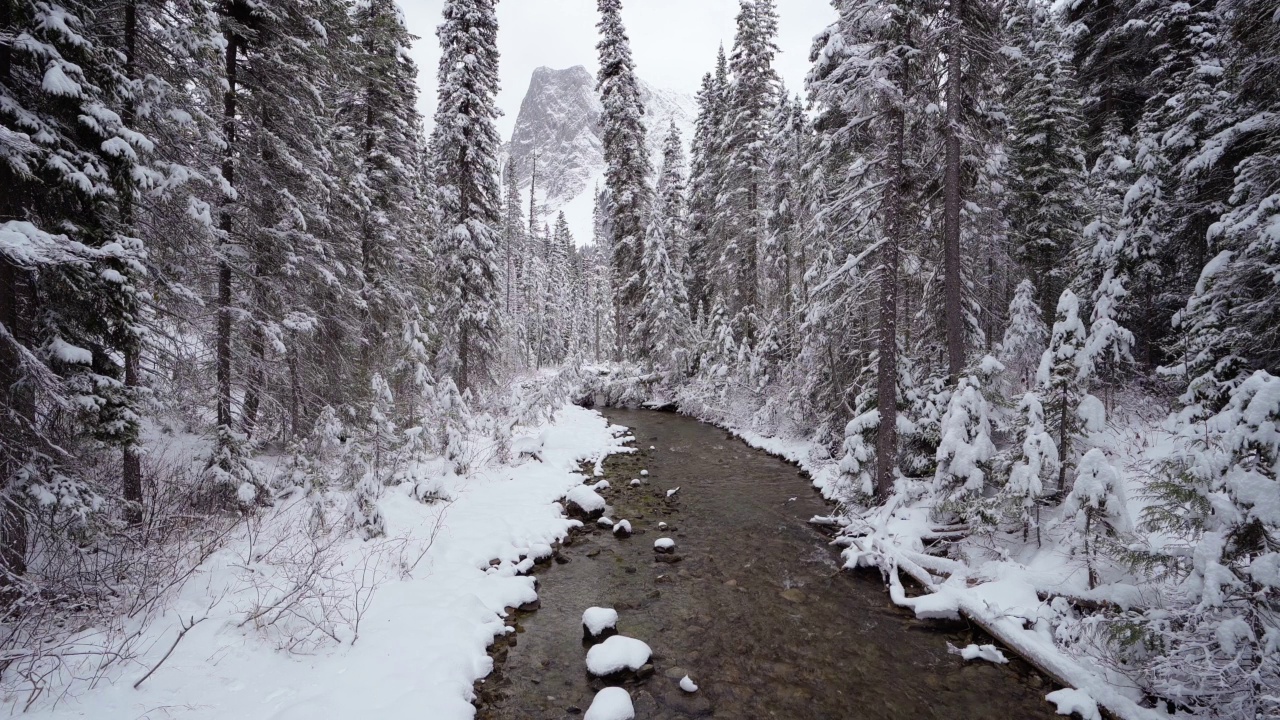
{"x":756,"y":611}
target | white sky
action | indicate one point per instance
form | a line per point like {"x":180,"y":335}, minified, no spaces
{"x":673,"y":41}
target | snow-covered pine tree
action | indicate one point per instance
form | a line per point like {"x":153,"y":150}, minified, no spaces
{"x":784,"y":245}
{"x":706,"y":175}
{"x":665,"y":311}
{"x":69,"y":265}
{"x":1096,"y":505}
{"x":627,"y":165}
{"x":1046,"y":161}
{"x":966,"y":452}
{"x":1034,"y":463}
{"x":1025,"y":340}
{"x":970,"y":27}
{"x":867,"y":76}
{"x":1219,"y":506}
{"x":1058,"y":382}
{"x":466,"y":142}
{"x":1105,"y":266}
{"x":1112,"y":59}
{"x":742,"y":206}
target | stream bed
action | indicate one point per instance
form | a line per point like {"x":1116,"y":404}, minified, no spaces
{"x":756,"y":611}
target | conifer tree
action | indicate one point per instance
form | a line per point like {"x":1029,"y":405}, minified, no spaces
{"x":742,"y":201}
{"x":665,"y":311}
{"x":627,"y":165}
{"x":1058,"y":381}
{"x":466,"y":143}
{"x":1045,"y":155}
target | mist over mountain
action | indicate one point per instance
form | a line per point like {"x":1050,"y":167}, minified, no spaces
{"x":559,"y":126}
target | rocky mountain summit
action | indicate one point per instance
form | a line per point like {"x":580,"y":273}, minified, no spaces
{"x":559,"y":126}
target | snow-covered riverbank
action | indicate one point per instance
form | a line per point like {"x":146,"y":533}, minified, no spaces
{"x":396,"y":627}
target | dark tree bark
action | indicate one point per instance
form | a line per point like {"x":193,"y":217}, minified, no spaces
{"x":225,"y":310}
{"x":887,"y":334}
{"x":131,"y":464}
{"x":951,"y":195}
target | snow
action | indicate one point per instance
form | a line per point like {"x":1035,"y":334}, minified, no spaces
{"x":70,"y":354}
{"x":585,"y":498}
{"x":687,"y":685}
{"x":635,"y":482}
{"x":622,"y":526}
{"x":644,"y":473}
{"x":616,"y":654}
{"x":605,"y":522}
{"x":423,"y":638}
{"x":990,"y":653}
{"x":597,"y":619}
{"x":673,"y":491}
{"x":602,"y":485}
{"x":611,"y":703}
{"x":1070,"y":700}
{"x":664,"y":544}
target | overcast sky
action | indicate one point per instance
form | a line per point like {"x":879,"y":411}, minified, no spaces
{"x":673,"y":41}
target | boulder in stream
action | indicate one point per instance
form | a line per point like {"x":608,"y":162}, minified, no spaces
{"x":611,"y":703}
{"x":617,"y":654}
{"x":599,"y":623}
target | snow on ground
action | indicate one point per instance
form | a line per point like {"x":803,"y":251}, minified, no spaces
{"x":616,"y":654}
{"x":597,"y":619}
{"x":430,"y":604}
{"x":585,"y":498}
{"x":1074,"y":701}
{"x":611,"y":703}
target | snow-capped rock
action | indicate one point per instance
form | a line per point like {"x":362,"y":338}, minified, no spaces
{"x":616,"y":654}
{"x":584,"y":500}
{"x":664,"y":545}
{"x":598,"y":621}
{"x":673,"y":491}
{"x":622,"y":529}
{"x":611,"y":703}
{"x":688,"y":685}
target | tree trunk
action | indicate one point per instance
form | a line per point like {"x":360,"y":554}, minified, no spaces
{"x":131,"y":464}
{"x":225,"y":310}
{"x":887,"y":370}
{"x":256,"y":381}
{"x":951,"y":197}
{"x":13,"y":402}
{"x":13,"y":398}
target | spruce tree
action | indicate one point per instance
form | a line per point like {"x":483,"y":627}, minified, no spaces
{"x":1047,"y":162}
{"x":627,"y":165}
{"x":665,"y":313}
{"x":742,"y":202}
{"x":466,"y":143}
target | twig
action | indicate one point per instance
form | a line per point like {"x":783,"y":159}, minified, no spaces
{"x":185,"y":629}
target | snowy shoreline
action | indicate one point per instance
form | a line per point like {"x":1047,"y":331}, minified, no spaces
{"x":425,"y":632}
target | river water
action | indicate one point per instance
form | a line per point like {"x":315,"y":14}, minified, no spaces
{"x":757,"y":611}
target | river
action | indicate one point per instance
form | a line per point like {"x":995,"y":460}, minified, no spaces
{"x":757,"y":611}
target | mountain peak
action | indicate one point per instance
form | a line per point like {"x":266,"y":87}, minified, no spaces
{"x":559,"y":127}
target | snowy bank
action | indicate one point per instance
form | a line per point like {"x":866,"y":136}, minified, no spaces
{"x":428,"y":600}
